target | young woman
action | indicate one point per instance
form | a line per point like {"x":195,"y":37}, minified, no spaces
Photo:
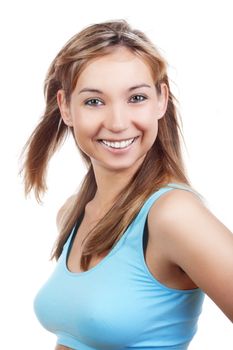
{"x":137,"y":248}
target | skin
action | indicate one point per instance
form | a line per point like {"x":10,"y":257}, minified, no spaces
{"x":188,"y":246}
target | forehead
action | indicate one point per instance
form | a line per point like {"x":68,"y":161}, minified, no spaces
{"x":120,"y":65}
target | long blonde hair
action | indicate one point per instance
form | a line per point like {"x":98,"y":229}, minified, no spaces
{"x":162,"y":162}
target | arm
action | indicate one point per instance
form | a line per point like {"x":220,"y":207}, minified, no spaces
{"x":196,"y":241}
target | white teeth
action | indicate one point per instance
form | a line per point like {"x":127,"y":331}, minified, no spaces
{"x":118,"y":144}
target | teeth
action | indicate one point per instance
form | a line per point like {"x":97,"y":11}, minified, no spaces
{"x":118,"y":144}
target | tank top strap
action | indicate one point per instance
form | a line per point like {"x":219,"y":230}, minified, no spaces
{"x":156,"y":195}
{"x":72,"y":234}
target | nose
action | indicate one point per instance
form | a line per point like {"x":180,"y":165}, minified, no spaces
{"x":116,"y":119}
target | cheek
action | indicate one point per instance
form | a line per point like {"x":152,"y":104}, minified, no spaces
{"x":152,"y":133}
{"x":85,"y":126}
{"x":147,"y":121}
{"x":149,"y":128}
{"x":146,"y":116}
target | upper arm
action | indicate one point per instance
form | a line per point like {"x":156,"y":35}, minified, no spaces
{"x":199,"y":243}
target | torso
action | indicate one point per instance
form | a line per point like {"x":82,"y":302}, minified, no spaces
{"x":159,"y":265}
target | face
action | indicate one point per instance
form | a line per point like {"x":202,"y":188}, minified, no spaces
{"x":114,"y":110}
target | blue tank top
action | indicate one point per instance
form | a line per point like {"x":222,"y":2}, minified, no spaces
{"x":118,"y":304}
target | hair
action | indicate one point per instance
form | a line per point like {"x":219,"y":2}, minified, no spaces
{"x":162,"y":162}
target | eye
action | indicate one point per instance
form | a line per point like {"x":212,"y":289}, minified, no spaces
{"x":93,"y":102}
{"x":138,"y":98}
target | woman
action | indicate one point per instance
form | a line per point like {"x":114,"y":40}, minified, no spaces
{"x":137,"y":248}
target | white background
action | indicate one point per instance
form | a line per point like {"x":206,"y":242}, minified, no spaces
{"x":196,"y":39}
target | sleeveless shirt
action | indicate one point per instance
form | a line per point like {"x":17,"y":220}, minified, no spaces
{"x":118,"y":304}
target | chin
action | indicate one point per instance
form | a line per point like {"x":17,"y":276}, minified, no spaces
{"x":123,"y":166}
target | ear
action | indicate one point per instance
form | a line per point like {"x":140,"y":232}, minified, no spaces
{"x":162,"y":100}
{"x":64,"y":108}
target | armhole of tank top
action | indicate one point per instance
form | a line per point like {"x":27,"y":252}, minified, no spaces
{"x":169,"y":185}
{"x":145,"y":234}
{"x":145,"y":238}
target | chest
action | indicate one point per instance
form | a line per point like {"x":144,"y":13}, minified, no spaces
{"x":76,"y":247}
{"x":158,"y":265}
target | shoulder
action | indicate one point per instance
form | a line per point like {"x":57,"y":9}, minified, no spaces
{"x":176,"y":206}
{"x":65,"y":209}
{"x":179,"y":215}
{"x":173,"y":217}
{"x":193,"y":238}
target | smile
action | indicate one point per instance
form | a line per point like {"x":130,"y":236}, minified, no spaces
{"x":118,"y":144}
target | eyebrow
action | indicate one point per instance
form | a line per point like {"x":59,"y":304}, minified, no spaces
{"x":101,"y":92}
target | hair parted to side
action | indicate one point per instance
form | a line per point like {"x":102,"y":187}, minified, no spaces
{"x":162,"y":162}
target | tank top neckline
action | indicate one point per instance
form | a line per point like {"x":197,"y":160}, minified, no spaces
{"x":100,"y":263}
{"x":68,"y":247}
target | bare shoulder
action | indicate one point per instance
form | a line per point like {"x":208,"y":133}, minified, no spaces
{"x":172,"y":216}
{"x":175,"y":202}
{"x":182,"y":215}
{"x":194,"y":239}
{"x":65,"y":208}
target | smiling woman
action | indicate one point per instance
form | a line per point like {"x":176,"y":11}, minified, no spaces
{"x":137,"y":248}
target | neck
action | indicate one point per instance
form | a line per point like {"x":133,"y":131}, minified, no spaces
{"x":109,"y":184}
